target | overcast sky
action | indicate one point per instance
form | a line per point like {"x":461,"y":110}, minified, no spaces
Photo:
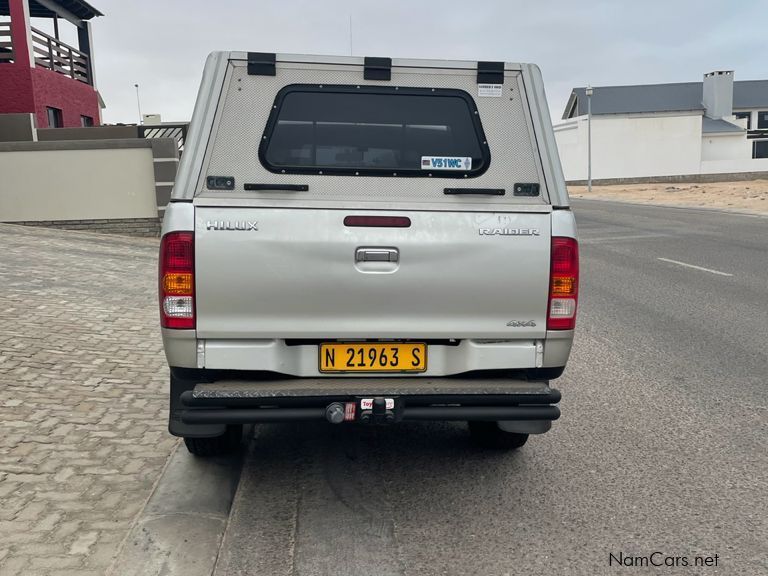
{"x":162,"y":44}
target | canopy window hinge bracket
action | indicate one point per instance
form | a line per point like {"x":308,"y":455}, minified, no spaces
{"x":261,"y":64}
{"x":377,"y":68}
{"x":490,"y":72}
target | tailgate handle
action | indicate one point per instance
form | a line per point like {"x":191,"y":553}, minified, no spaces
{"x":377,"y":255}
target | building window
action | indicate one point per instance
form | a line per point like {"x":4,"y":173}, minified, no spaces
{"x":55,"y":119}
{"x":86,"y":121}
{"x":760,"y":149}
{"x":572,"y":109}
{"x":747,"y":115}
{"x":762,"y":120}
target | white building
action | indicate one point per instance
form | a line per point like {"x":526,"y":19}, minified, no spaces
{"x":717,"y":126}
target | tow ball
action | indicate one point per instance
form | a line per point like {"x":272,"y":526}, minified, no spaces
{"x":377,"y":410}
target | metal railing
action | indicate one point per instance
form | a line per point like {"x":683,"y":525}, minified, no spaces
{"x":176,"y":131}
{"x":6,"y":43}
{"x":60,"y":57}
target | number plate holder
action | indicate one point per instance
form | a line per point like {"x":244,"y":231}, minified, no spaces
{"x":372,"y":357}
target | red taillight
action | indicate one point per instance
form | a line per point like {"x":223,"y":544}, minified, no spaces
{"x":563,"y":284}
{"x":177,"y":280}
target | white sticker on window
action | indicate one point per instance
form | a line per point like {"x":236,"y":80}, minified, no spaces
{"x":446,"y":163}
{"x":490,"y":90}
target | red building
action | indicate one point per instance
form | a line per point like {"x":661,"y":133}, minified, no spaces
{"x":40,"y":74}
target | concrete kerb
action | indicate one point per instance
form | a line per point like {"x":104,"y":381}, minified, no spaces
{"x":732,"y":211}
{"x":678,"y":179}
{"x":180,"y":530}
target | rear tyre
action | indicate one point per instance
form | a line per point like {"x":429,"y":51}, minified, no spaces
{"x":489,"y":435}
{"x":217,"y":446}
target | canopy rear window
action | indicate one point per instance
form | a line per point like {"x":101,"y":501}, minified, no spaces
{"x":372,"y":130}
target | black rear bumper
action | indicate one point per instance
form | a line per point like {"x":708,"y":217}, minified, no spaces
{"x":202,"y":409}
{"x":438,"y":407}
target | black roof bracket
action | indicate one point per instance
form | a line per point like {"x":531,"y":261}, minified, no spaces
{"x":490,"y":72}
{"x":261,"y":64}
{"x":377,"y":68}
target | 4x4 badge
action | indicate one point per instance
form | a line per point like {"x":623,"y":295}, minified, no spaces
{"x":521,"y":323}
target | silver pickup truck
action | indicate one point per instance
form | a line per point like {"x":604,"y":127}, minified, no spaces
{"x":367,"y":240}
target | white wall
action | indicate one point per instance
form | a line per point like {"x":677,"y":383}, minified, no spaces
{"x":725,"y":147}
{"x":81,"y":184}
{"x":571,"y":136}
{"x":732,"y":166}
{"x":631,"y":146}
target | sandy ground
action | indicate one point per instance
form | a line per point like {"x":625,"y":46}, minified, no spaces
{"x":751,"y":196}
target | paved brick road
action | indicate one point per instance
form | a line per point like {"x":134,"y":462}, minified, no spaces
{"x":82,"y":397}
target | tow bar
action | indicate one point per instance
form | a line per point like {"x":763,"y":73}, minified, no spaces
{"x":377,"y":410}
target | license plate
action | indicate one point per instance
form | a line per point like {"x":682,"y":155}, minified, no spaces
{"x":373,"y":357}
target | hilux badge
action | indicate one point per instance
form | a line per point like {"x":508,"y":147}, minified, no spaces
{"x":232,"y":225}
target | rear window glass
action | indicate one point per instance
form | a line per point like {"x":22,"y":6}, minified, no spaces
{"x":371,"y":130}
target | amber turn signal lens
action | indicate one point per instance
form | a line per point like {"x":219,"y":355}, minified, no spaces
{"x":177,"y":284}
{"x":563,"y":286}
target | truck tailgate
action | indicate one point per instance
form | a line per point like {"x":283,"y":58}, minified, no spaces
{"x":300,"y":273}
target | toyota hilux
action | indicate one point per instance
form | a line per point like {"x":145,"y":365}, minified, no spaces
{"x":367,"y":241}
